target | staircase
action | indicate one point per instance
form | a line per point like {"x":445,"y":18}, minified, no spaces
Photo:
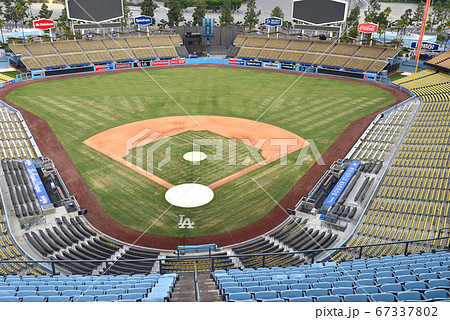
{"x":208,"y":289}
{"x":184,"y":290}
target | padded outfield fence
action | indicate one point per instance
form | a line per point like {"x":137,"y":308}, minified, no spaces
{"x":37,"y":74}
{"x":51,"y":265}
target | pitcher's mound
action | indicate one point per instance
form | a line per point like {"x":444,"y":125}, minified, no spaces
{"x":189,"y":195}
{"x":194,"y":156}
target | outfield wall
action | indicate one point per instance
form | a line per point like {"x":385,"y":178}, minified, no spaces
{"x":37,"y":74}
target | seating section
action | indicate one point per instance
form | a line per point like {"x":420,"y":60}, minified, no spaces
{"x":317,"y":53}
{"x":411,"y":200}
{"x":376,"y":144}
{"x":293,"y":234}
{"x":21,"y":190}
{"x":74,"y":239}
{"x":63,"y":54}
{"x":424,"y":277}
{"x":79,"y":288}
{"x":221,"y":261}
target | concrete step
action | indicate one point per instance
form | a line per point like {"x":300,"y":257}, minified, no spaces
{"x":184,"y":289}
{"x":208,"y":289}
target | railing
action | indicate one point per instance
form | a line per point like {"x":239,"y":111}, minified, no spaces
{"x":264,"y":257}
{"x":196,"y":288}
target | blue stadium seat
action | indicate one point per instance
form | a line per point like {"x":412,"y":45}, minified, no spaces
{"x":343,"y":284}
{"x":351,"y":278}
{"x":428,"y":276}
{"x":273,"y":300}
{"x":104,"y":287}
{"x":7,"y":293}
{"x":9,"y":299}
{"x":65,"y":288}
{"x":25,"y":293}
{"x":49,"y":293}
{"x":256,"y":289}
{"x":383,"y":297}
{"x":267,"y":283}
{"x":364,"y":282}
{"x":436,"y":294}
{"x":328,"y":299}
{"x":46,"y":288}
{"x":153,"y":299}
{"x":108,"y":297}
{"x":132,"y":296}
{"x":93,"y":292}
{"x":243,"y":296}
{"x":439,"y":284}
{"x":85,"y":287}
{"x":138,"y":290}
{"x":355,"y":298}
{"x":309,"y":280}
{"x":384,"y":274}
{"x":386,"y":280}
{"x":439,"y":269}
{"x":301,"y":286}
{"x":445,"y":274}
{"x":278,"y":287}
{"x":227,"y":291}
{"x":342,"y":291}
{"x":300,"y":299}
{"x":291,"y":294}
{"x":416,"y":285}
{"x":58,"y":299}
{"x":289,"y":282}
{"x":297,"y":276}
{"x":330,"y":279}
{"x":280,"y":277}
{"x":71,"y":293}
{"x":84,"y":298}
{"x":391,"y":287}
{"x":316,"y":292}
{"x":408,"y":296}
{"x":116,"y":291}
{"x":406,"y":278}
{"x":259,"y":296}
{"x":322,"y":285}
{"x":367,"y":289}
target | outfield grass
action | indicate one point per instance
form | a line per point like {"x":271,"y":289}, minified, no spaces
{"x":179,"y":171}
{"x":79,"y":108}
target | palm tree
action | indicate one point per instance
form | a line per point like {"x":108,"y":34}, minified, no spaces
{"x":20,"y":12}
{"x":2,"y":24}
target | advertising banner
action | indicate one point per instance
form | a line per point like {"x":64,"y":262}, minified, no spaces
{"x":142,"y":64}
{"x":368,"y":27}
{"x":178,"y":61}
{"x":44,"y":24}
{"x":160,"y":63}
{"x":287,"y":66}
{"x":143,"y":20}
{"x":36,"y":182}
{"x":104,"y":67}
{"x":271,"y":65}
{"x":123,"y":65}
{"x":341,"y":184}
{"x":253,"y":63}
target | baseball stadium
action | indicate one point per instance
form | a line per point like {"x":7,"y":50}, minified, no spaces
{"x":273,"y":168}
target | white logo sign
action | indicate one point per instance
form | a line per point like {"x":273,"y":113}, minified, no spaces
{"x":185,"y":222}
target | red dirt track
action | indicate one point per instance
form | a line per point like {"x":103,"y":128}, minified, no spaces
{"x":50,"y":147}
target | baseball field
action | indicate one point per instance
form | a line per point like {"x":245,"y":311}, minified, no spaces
{"x":78,"y":109}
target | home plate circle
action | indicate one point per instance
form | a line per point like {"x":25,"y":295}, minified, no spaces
{"x":194,"y":156}
{"x":189,"y":195}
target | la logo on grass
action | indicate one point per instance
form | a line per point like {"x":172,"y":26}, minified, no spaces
{"x":186,"y":222}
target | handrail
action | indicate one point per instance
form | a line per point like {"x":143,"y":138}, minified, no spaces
{"x":313,"y":253}
{"x":196,"y":288}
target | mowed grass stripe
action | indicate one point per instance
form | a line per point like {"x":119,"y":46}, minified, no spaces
{"x":309,"y":109}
